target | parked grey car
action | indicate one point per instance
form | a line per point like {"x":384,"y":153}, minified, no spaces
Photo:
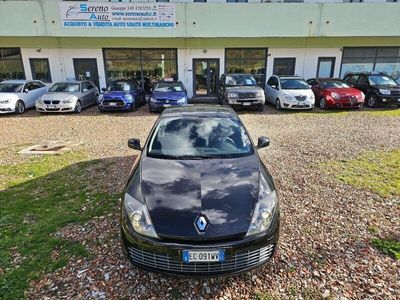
{"x":68,"y":96}
{"x":240,"y":90}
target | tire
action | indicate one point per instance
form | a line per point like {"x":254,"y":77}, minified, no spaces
{"x":100,"y":109}
{"x":260,"y":108}
{"x":19,"y":107}
{"x":78,"y":107}
{"x":322,"y":103}
{"x":278,"y":104}
{"x":372,"y":101}
{"x":133,"y":108}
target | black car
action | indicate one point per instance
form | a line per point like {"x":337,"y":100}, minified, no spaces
{"x":240,"y":90}
{"x":199,"y":202}
{"x":379,"y":88}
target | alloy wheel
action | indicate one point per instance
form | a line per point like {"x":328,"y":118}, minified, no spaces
{"x":20,"y":107}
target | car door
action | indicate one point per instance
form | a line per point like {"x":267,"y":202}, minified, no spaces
{"x":316,"y":87}
{"x":271,"y":89}
{"x":363,"y":84}
{"x":31,"y":94}
{"x":93,"y":93}
{"x":86,"y":94}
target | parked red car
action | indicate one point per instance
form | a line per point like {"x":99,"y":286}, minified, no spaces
{"x":333,"y":92}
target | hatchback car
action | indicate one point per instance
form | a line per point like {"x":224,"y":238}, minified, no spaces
{"x":166,"y":94}
{"x":121,"y":95}
{"x":289,"y":92}
{"x":18,"y":95}
{"x":199,"y":201}
{"x":334,"y":93}
{"x":240,"y":90}
{"x":379,"y":88}
{"x":68,"y":96}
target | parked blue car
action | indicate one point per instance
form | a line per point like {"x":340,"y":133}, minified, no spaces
{"x":121,"y":95}
{"x":166,"y":94}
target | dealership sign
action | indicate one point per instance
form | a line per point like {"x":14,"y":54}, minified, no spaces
{"x":117,"y":15}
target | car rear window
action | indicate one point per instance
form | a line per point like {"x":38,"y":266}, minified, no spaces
{"x":195,"y":137}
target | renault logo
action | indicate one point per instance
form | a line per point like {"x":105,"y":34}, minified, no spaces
{"x":201,"y":223}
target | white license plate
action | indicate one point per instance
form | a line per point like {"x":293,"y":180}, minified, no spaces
{"x":51,"y":106}
{"x":189,"y":256}
{"x":166,"y":105}
{"x":246,"y":103}
{"x":112,"y":104}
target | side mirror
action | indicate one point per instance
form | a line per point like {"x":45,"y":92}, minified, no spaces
{"x":26,"y":90}
{"x":103,"y":89}
{"x":134,"y":143}
{"x":263,"y":142}
{"x":84,"y":90}
{"x":275,"y":87}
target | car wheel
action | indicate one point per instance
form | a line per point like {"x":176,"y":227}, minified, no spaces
{"x":322,"y":103}
{"x":372,"y":101}
{"x":19,"y":107}
{"x":260,"y":107}
{"x":133,"y":108}
{"x":100,"y":109}
{"x":78,"y":107}
{"x":278,"y":104}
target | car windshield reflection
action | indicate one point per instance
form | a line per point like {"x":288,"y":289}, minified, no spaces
{"x":10,"y":88}
{"x":165,"y":87}
{"x":65,"y":87}
{"x":199,"y":138}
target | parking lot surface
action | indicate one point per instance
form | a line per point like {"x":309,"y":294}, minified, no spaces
{"x":325,"y":241}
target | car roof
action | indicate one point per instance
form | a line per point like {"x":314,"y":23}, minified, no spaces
{"x":72,"y":81}
{"x":17,"y":81}
{"x":201,"y":110}
{"x":289,"y":77}
{"x":169,"y":81}
{"x":366,"y":73}
{"x":238,"y":74}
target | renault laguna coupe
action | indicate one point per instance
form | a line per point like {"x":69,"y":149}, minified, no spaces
{"x":199,"y":201}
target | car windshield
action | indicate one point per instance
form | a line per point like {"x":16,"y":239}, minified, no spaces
{"x":65,"y":87}
{"x":381,"y":80}
{"x":334,"y":84}
{"x":6,"y":87}
{"x":120,"y":86}
{"x":168,"y":87}
{"x":240,"y":79}
{"x":294,"y":84}
{"x":198,"y":138}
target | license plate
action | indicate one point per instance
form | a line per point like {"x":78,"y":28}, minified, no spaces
{"x":112,"y":104}
{"x":51,"y":106}
{"x":189,"y":256}
{"x":246,"y":103}
{"x":166,"y":105}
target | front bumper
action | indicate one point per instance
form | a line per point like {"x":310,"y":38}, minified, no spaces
{"x":297,"y":104}
{"x":7,"y":108}
{"x":389,"y":99}
{"x":61,"y":107}
{"x":245,"y":101}
{"x":160,"y":105}
{"x":115,"y":105}
{"x":166,"y":256}
{"x":345,"y":104}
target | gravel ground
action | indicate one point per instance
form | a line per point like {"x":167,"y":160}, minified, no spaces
{"x":325,"y":249}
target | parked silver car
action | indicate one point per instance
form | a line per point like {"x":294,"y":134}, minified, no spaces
{"x":68,"y":96}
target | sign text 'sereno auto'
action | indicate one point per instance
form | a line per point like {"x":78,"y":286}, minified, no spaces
{"x":117,"y":15}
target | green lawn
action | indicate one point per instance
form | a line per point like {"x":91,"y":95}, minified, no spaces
{"x":36,"y":198}
{"x":384,"y":112}
{"x":389,"y":247}
{"x":377,"y":171}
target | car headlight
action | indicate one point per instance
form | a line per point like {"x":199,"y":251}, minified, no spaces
{"x":5,"y":101}
{"x":68,"y":101}
{"x":335,"y":96}
{"x":139,"y":217}
{"x":260,"y":94}
{"x":288,"y":97}
{"x":361,"y":96}
{"x":128,"y":97}
{"x":101,"y":96}
{"x":182,"y":100}
{"x":152,"y":99}
{"x":312,"y":97}
{"x":40,"y":101}
{"x":232,"y":95}
{"x":264,"y":209}
{"x":384,"y":92}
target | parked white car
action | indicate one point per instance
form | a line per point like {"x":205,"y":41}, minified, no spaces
{"x":18,"y":95}
{"x":289,"y":92}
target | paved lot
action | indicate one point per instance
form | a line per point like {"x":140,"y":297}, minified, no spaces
{"x":325,"y":248}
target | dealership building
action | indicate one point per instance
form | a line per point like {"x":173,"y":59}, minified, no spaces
{"x":196,"y":41}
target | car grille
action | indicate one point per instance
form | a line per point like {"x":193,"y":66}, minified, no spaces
{"x":395,"y":93}
{"x":237,"y":262}
{"x":165,"y":100}
{"x":51,"y":102}
{"x":301,"y":98}
{"x":247,"y":95}
{"x":109,"y":102}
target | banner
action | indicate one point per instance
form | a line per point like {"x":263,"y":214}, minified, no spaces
{"x":117,"y":15}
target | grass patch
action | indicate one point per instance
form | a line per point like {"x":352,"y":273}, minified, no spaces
{"x":389,"y":247}
{"x":38,"y":197}
{"x":377,"y":171}
{"x":384,"y":113}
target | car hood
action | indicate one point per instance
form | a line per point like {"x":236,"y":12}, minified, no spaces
{"x":59,"y":96}
{"x":246,"y":89}
{"x":9,"y":96}
{"x":344,"y":91}
{"x":390,"y":88}
{"x":295,"y":93}
{"x":178,"y":191}
{"x":114,"y":94}
{"x":168,"y":95}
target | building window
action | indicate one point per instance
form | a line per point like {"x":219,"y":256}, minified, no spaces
{"x":145,"y":65}
{"x":325,"y":67}
{"x":40,"y":69}
{"x":11,"y":66}
{"x":247,"y":60}
{"x":380,"y":59}
{"x":284,"y":66}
